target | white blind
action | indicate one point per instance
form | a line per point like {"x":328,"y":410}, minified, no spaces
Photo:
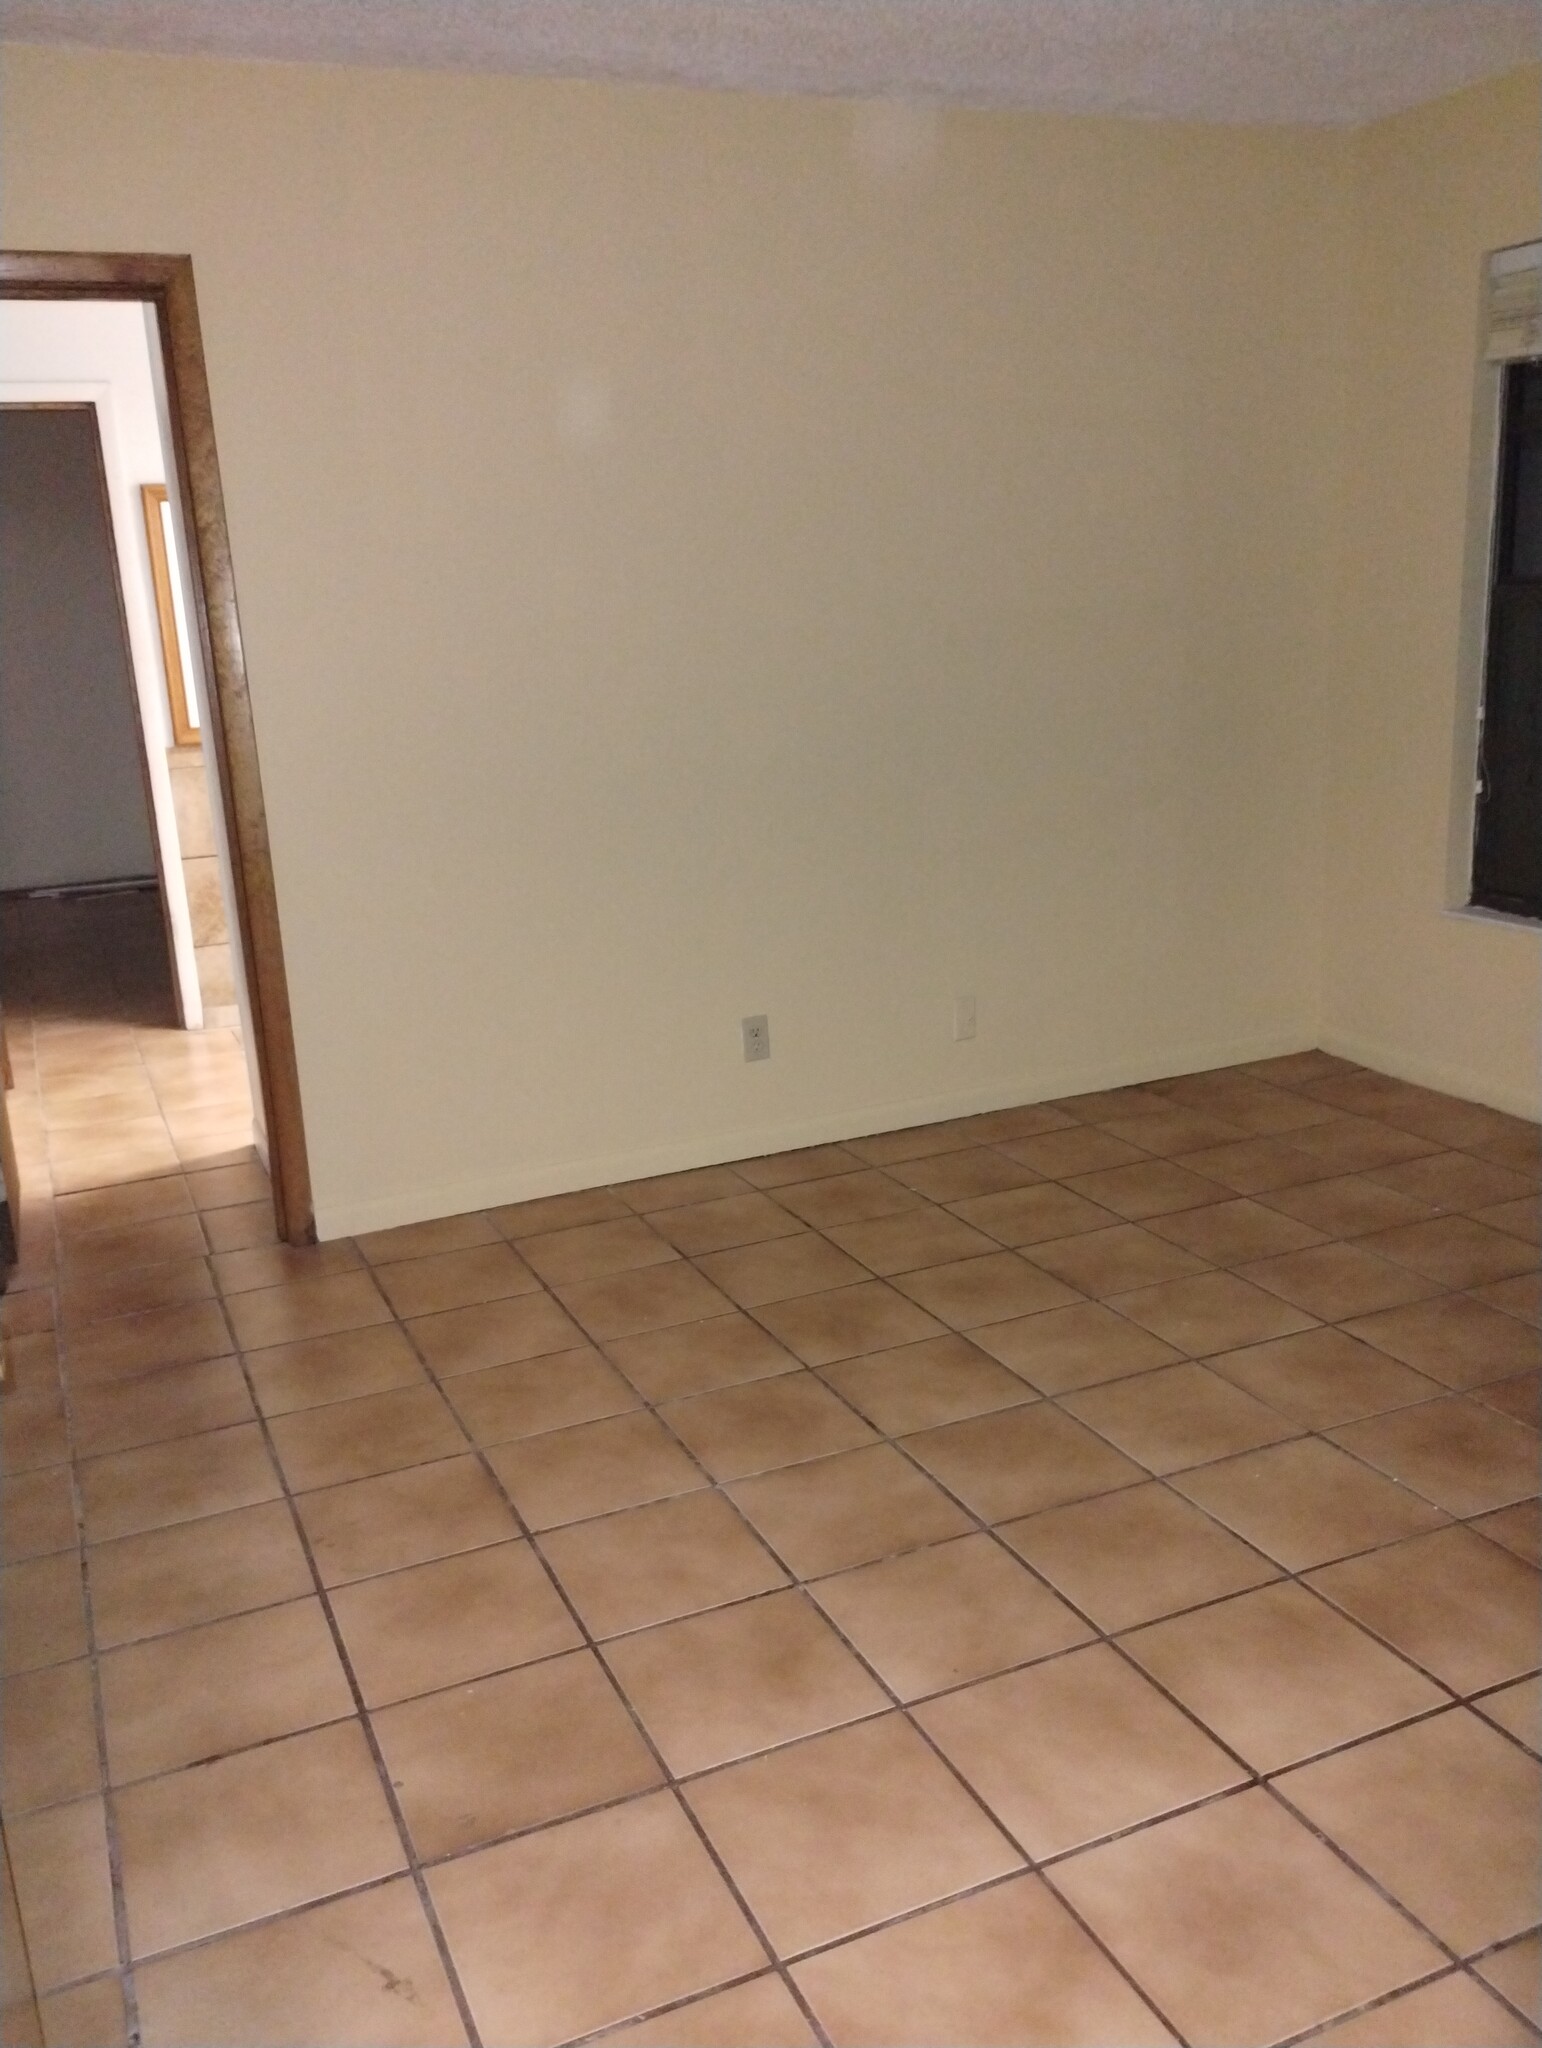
{"x":1515,"y":304}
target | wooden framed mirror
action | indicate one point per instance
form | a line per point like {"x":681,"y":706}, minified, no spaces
{"x":176,"y":656}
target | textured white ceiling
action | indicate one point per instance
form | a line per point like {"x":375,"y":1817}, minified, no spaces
{"x":1325,"y":61}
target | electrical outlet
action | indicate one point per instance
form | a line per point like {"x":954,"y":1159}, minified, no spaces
{"x":964,"y":1019}
{"x":757,"y":1037}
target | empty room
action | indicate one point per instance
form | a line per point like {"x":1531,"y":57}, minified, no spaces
{"x":772,"y":1201}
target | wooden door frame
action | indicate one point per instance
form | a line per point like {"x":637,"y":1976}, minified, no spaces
{"x":166,"y":283}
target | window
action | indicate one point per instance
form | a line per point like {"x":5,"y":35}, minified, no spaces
{"x":1507,"y":835}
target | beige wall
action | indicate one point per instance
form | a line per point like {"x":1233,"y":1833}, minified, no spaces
{"x":1451,"y":1000}
{"x":693,"y":564}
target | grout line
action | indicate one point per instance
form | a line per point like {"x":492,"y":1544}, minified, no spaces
{"x":366,"y":1725}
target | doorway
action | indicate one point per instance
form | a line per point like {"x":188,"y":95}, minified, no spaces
{"x":163,"y":286}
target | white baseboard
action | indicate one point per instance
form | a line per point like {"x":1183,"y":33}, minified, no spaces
{"x":1467,"y":1082}
{"x":350,"y":1218}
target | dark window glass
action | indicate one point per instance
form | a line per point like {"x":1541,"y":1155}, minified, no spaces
{"x":1507,"y":841}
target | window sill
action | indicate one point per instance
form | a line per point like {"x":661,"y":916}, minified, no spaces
{"x":1477,"y":913}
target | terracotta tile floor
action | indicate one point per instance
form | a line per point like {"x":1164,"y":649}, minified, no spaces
{"x":1066,"y":1576}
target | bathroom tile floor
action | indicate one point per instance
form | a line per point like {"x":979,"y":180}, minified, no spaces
{"x":1062,"y":1576}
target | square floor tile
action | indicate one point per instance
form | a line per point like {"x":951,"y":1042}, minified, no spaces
{"x":1335,"y":1281}
{"x":723,"y":1225}
{"x":494,"y":1333}
{"x":1074,"y":1347}
{"x":1155,"y":1187}
{"x":847,"y":1198}
{"x":1521,"y":1218}
{"x":1033,"y":1215}
{"x":192,"y":1572}
{"x":204,"y":1692}
{"x":1348,"y":1205}
{"x":848,"y":1510}
{"x":357,"y":1439}
{"x":510,"y":1752}
{"x":50,"y":1751}
{"x":1131,"y":1556}
{"x":1453,"y":2011}
{"x":153,"y":1407}
{"x":1322,"y":1377}
{"x":403,"y":1518}
{"x":363,"y":1968}
{"x":1455,"y":1180}
{"x":1169,"y":1132}
{"x":305,"y":1308}
{"x":655,"y":1563}
{"x":484,"y":1272}
{"x":1278,"y":1676}
{"x":175,"y":1482}
{"x":1005,"y":1966}
{"x":1113,"y":1261}
{"x":1354,"y":1144}
{"x":1180,"y":1416}
{"x":1020,"y":1460}
{"x":723,"y":1351}
{"x":42,"y":1612}
{"x":1444,"y":1814}
{"x":920,"y":1386}
{"x":1253,"y":1166}
{"x":457,"y":1618}
{"x":765,"y":1424}
{"x":717,"y":1686}
{"x":1226,"y":1233}
{"x":781,"y":1269}
{"x":762,"y":2010}
{"x":567,"y":1475}
{"x":341,"y":1367}
{"x":159,"y":1337}
{"x":1301,"y":1938}
{"x":1211,"y":1312}
{"x":1458,"y":1454}
{"x":554,"y":1392}
{"x":655,"y":1298}
{"x":1455,"y":1251}
{"x":1466,"y":1610}
{"x":910,"y":1242}
{"x":270,"y":1265}
{"x":1306,"y":1503}
{"x":945,"y":1615}
{"x":993,"y":1289}
{"x":1053,"y":1155}
{"x":247,"y":1835}
{"x":845,"y":1830}
{"x":1457,"y":1340}
{"x":847,"y":1322}
{"x":86,"y":1297}
{"x":64,"y":1890}
{"x":619,"y":1911}
{"x":954,"y":1176}
{"x":591,"y":1250}
{"x":1075,"y":1749}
